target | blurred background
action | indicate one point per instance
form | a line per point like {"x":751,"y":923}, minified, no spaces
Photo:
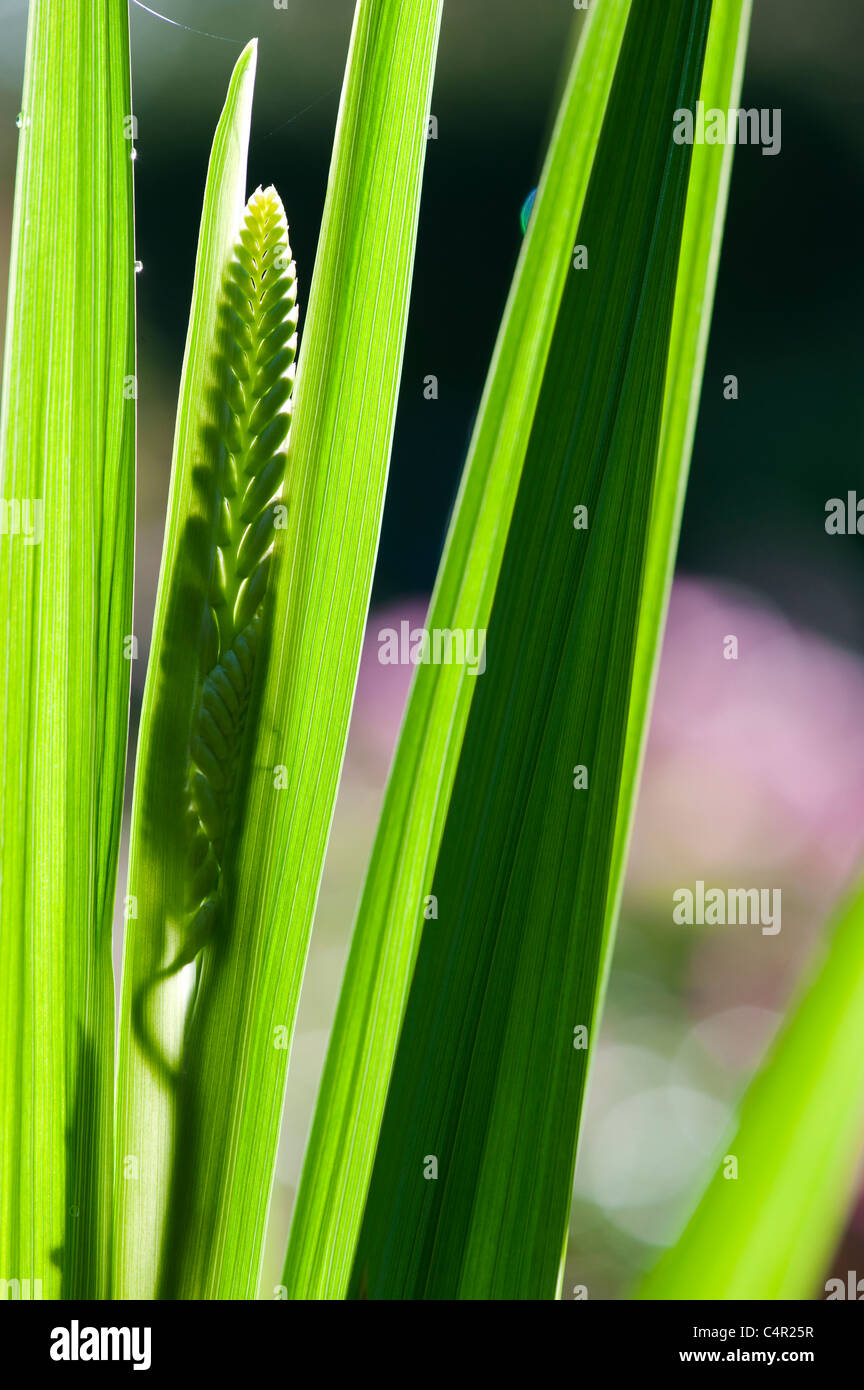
{"x":755,"y":768}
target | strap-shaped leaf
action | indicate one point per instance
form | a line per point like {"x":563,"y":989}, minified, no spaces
{"x":710,"y":172}
{"x":67,"y":442}
{"x":160,"y":928}
{"x":766,"y":1229}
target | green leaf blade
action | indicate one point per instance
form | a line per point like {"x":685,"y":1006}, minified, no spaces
{"x":710,"y":173}
{"x":152,"y":1019}
{"x":769,"y":1231}
{"x":68,"y":442}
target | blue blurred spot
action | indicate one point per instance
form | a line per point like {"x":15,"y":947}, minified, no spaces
{"x":525,"y":214}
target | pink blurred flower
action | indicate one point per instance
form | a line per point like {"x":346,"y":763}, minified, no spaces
{"x":753,"y":765}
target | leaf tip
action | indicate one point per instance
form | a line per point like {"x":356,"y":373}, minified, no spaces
{"x":247,"y":63}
